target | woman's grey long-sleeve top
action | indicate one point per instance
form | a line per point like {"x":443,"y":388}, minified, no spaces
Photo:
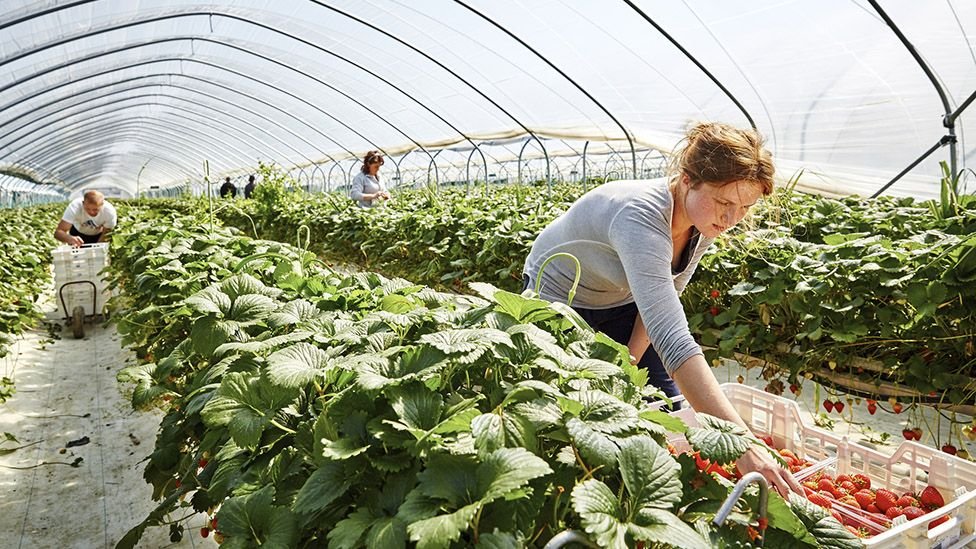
{"x":365,"y":184}
{"x":621,"y":234}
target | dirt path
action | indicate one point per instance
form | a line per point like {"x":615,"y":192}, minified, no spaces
{"x":79,"y":483}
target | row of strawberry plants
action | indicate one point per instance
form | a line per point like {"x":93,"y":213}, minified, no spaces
{"x":443,"y":239}
{"x":833,"y":280}
{"x":24,"y":272}
{"x":305,"y":409}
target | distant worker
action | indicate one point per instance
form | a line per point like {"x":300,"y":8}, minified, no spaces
{"x":86,"y":220}
{"x":249,"y":188}
{"x":367,"y":188}
{"x":228,"y":189}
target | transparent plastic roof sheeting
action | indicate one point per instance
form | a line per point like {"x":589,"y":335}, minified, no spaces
{"x":138,"y":94}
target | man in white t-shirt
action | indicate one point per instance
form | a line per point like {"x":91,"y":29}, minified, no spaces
{"x":86,"y":220}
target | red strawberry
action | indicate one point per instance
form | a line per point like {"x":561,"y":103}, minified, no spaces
{"x":949,"y":449}
{"x":826,"y":484}
{"x":872,"y":408}
{"x":896,"y":407}
{"x":204,"y":532}
{"x":828,"y":405}
{"x":931,"y":498}
{"x":894,"y":511}
{"x":837,"y":516}
{"x":767,"y":439}
{"x":794,"y":388}
{"x":817,"y":498}
{"x":719,"y":470}
{"x":701,"y":463}
{"x":908,"y":434}
{"x":872,"y":508}
{"x":848,"y":486}
{"x":810,"y":485}
{"x":884,"y":499}
{"x":912,"y":513}
{"x":202,"y":463}
{"x":864,"y":498}
{"x":861,"y":480}
{"x":763,"y":524}
{"x":715,"y":294}
{"x":848,"y":499}
{"x":839,"y":406}
{"x":714,"y":311}
{"x":938,"y":521}
{"x":907,"y":500}
{"x":213,"y":523}
{"x":918,"y":433}
{"x":842,"y":478}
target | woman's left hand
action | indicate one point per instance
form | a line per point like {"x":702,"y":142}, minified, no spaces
{"x":759,"y":460}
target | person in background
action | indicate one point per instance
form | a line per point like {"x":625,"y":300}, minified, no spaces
{"x":368,"y":189}
{"x":249,"y":188}
{"x":228,"y":189}
{"x":639,"y":242}
{"x":87,"y":220}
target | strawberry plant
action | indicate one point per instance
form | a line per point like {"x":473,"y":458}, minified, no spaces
{"x":814,"y":286}
{"x":306,"y":408}
{"x":24,"y":273}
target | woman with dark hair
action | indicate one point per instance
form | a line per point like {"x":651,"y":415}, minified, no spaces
{"x":368,"y":189}
{"x":639,"y":242}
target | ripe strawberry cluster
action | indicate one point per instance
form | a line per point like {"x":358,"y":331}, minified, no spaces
{"x":830,"y":406}
{"x":864,"y":510}
{"x":731,"y":472}
{"x":212,"y":527}
{"x":793,"y":463}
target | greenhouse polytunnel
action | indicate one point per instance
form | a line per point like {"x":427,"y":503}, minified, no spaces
{"x":207,"y":339}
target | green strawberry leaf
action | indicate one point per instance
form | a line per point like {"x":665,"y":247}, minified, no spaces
{"x":324,"y":485}
{"x":718,"y":440}
{"x":298,"y":365}
{"x":650,"y":474}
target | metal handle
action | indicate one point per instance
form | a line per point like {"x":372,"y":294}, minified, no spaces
{"x":729,"y":503}
{"x":569,"y":536}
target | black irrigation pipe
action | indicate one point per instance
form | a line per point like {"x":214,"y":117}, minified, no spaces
{"x":562,"y":73}
{"x":211,"y":13}
{"x":692,"y":58}
{"x":43,"y":12}
{"x":172,"y":133}
{"x":115,"y":122}
{"x":193,"y":90}
{"x":948,"y":120}
{"x":72,"y":62}
{"x":225,"y":113}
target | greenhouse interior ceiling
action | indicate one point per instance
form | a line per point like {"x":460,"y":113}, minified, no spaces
{"x":861,"y":97}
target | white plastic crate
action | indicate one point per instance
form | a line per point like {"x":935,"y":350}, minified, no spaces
{"x":79,"y":265}
{"x":775,"y":416}
{"x":912,"y":467}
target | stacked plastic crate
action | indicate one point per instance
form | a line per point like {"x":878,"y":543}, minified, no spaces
{"x":76,"y":276}
{"x":910,"y":469}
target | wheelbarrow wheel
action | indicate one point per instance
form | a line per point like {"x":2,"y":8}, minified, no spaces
{"x":78,"y":322}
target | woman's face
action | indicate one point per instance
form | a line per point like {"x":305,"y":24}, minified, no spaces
{"x":715,"y":209}
{"x":374,"y":165}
